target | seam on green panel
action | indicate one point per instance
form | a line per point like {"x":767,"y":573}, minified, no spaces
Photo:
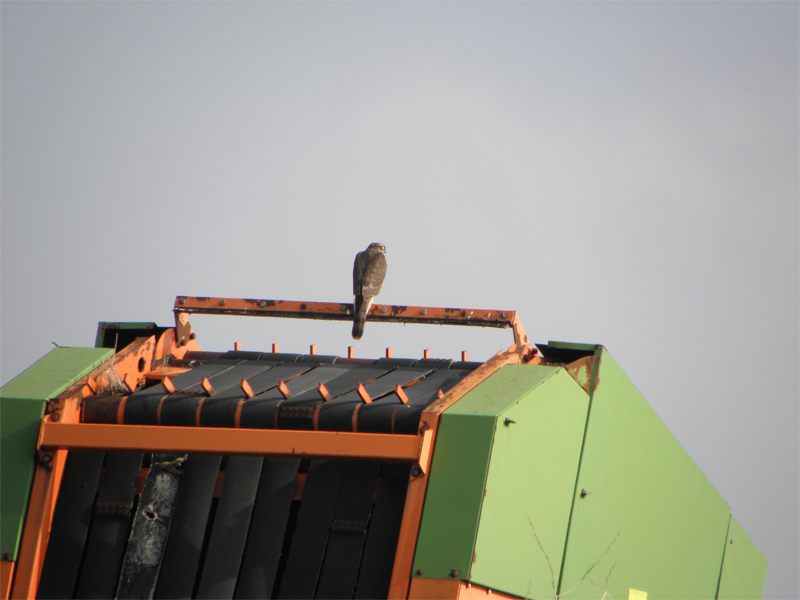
{"x":724,"y":550}
{"x":592,"y":387}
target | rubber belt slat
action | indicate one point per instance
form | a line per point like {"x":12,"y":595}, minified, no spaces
{"x":231,"y":524}
{"x":71,"y":519}
{"x":110,"y":523}
{"x":299,"y":579}
{"x":188,"y":527}
{"x":267,"y":528}
{"x":346,"y":541}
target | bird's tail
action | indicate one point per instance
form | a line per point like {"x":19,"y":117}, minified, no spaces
{"x":359,"y":315}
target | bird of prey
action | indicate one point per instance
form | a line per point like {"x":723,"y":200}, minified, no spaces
{"x":368,"y":273}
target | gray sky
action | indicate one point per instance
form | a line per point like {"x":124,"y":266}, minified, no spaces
{"x":619,"y":173}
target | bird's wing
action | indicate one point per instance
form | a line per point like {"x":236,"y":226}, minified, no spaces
{"x":358,"y":271}
{"x":372,"y":275}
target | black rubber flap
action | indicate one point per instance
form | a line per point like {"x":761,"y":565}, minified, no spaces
{"x":267,"y":528}
{"x":109,"y":532}
{"x":188,"y":527}
{"x":231,"y":524}
{"x":314,"y":519}
{"x":71,"y":519}
{"x":348,"y":530}
{"x":384,"y":530}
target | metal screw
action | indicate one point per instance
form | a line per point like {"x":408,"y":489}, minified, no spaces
{"x":383,"y":309}
{"x":222,"y":303}
{"x":55,"y":416}
{"x":416,"y":471}
{"x":181,"y":300}
{"x":47,"y":459}
{"x":420,"y":572}
{"x":262,"y":303}
{"x":424,"y":311}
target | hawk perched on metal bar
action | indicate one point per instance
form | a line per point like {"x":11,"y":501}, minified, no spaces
{"x":368,"y":273}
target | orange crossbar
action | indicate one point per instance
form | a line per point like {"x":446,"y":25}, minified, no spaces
{"x":229,"y":441}
{"x":337,"y":311}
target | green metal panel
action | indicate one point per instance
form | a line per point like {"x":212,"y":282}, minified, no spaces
{"x":492,"y":482}
{"x":22,"y":402}
{"x":744,"y":568}
{"x":649,"y":519}
{"x":529,"y":488}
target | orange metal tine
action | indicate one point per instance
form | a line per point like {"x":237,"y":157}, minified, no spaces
{"x":232,"y":441}
{"x":237,"y":346}
{"x":426,"y":354}
{"x":351,"y":352}
{"x":324,"y":393}
{"x":245,"y":387}
{"x":167,"y":384}
{"x":363,"y":394}
{"x":312,"y":349}
{"x":418,"y":484}
{"x":389,"y":352}
{"x":207,"y":387}
{"x":274,"y":347}
{"x":284,"y":389}
{"x":463,"y":356}
{"x":401,"y":394}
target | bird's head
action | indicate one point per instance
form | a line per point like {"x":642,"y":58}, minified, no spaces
{"x":377,"y":246}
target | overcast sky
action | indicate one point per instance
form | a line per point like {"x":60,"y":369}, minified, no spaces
{"x":619,"y":173}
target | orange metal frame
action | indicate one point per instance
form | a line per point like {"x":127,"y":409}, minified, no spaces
{"x":62,"y":431}
{"x":336,"y":311}
{"x":229,"y":441}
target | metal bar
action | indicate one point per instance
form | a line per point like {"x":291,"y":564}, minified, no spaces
{"x":230,"y":441}
{"x":336,"y":311}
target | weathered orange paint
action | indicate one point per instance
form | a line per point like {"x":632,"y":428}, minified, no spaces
{"x":230,"y":441}
{"x":6,"y":576}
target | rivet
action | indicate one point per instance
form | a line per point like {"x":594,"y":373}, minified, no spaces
{"x":383,"y":309}
{"x":416,"y":471}
{"x":262,"y":303}
{"x":47,"y":459}
{"x":424,"y":311}
{"x":504,"y":315}
{"x":181,"y":300}
{"x":343,"y":307}
{"x":222,"y":303}
{"x":420,"y":572}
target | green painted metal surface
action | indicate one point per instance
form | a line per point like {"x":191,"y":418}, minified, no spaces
{"x":492,"y":482}
{"x":529,"y":487}
{"x":744,"y":568}
{"x":22,"y":402}
{"x":649,"y":519}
